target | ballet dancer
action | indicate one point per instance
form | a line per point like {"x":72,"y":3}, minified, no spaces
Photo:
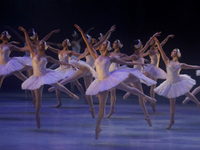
{"x":195,"y":91}
{"x":85,"y":70}
{"x":152,"y":70}
{"x":175,"y":85}
{"x":8,"y":65}
{"x":106,"y":80}
{"x":65,"y":55}
{"x":117,"y":54}
{"x":41,"y":75}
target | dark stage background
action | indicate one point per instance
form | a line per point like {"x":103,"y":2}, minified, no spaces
{"x":134,"y":19}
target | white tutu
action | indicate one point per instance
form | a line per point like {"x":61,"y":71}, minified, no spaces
{"x":35,"y":82}
{"x":66,"y":71}
{"x":114,"y":78}
{"x":26,"y":60}
{"x":155,"y":72}
{"x":176,"y":89}
{"x":80,"y":63}
{"x":11,"y":66}
{"x":111,"y":81}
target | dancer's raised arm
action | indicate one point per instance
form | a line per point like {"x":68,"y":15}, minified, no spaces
{"x":149,"y":41}
{"x":55,"y":50}
{"x":89,"y":46}
{"x":28,"y":41}
{"x":166,"y":39}
{"x":105,"y":37}
{"x":164,"y":56}
{"x":16,"y":33}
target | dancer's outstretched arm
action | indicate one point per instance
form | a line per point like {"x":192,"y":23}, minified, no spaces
{"x":55,"y":50}
{"x":186,"y":66}
{"x":50,"y":59}
{"x":48,"y":35}
{"x":164,"y":56}
{"x":118,"y":61}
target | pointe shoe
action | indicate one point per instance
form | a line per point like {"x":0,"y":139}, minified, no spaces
{"x":58,"y":105}
{"x":148,"y":119}
{"x":153,"y":105}
{"x":97,"y":132}
{"x":75,"y":97}
{"x":92,"y":112}
{"x":126,"y":95}
{"x":110,"y":114}
{"x":38,"y":122}
{"x":170,"y":124}
{"x":51,"y":89}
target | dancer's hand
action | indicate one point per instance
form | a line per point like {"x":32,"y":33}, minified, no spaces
{"x":112,"y":29}
{"x":142,"y":64}
{"x":157,"y":34}
{"x":171,"y":36}
{"x":22,"y":29}
{"x":74,"y":68}
{"x":56,"y":31}
{"x":146,"y":61}
{"x":79,"y":29}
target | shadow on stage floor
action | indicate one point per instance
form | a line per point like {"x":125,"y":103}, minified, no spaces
{"x":71,"y":127}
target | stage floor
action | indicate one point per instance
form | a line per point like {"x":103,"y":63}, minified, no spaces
{"x":71,"y":127}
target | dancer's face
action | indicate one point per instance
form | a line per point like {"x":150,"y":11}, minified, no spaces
{"x":41,"y":46}
{"x":103,"y":47}
{"x":3,"y":36}
{"x":174,"y":53}
{"x":115,"y":45}
{"x":64,"y":43}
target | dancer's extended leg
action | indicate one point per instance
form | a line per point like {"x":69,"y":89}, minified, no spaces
{"x":172,"y":112}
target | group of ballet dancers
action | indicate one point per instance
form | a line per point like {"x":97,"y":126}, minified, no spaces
{"x":104,"y":70}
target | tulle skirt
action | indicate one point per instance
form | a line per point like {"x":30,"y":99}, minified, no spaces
{"x":25,"y":60}
{"x":155,"y":72}
{"x":114,"y":78}
{"x":173,"y":90}
{"x":35,"y":82}
{"x":11,"y":66}
{"x":66,"y":72}
{"x":81,"y":63}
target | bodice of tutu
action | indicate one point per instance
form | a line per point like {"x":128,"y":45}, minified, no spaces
{"x":76,"y":47}
{"x":90,"y":60}
{"x":39,"y":66}
{"x":139,"y":67}
{"x":102,"y":68}
{"x":4,"y":54}
{"x":155,"y":59}
{"x":173,"y":73}
{"x":64,"y":58}
{"x":113,"y":65}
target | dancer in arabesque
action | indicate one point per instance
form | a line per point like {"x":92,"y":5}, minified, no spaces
{"x":42,"y":75}
{"x":175,"y":85}
{"x":106,"y":80}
